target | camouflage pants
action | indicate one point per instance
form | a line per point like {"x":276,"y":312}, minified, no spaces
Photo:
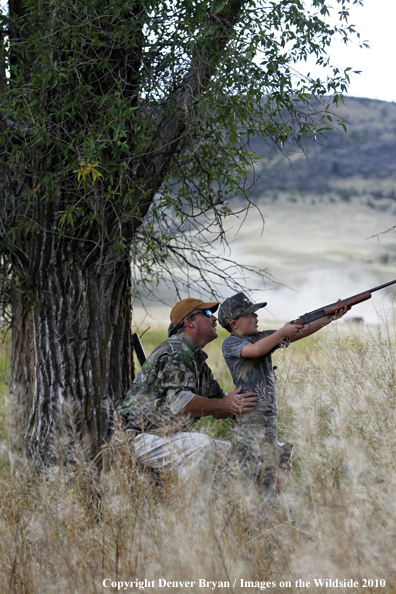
{"x":187,"y":453}
{"x":256,"y":445}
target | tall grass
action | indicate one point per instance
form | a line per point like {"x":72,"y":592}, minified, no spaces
{"x":5,"y":356}
{"x":62,"y":532}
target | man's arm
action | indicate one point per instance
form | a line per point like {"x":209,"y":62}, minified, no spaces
{"x":235,"y":403}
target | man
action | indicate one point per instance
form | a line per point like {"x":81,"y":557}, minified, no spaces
{"x":174,"y":388}
{"x":247,"y":353}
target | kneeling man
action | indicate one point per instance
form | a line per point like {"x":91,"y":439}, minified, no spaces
{"x":174,"y":388}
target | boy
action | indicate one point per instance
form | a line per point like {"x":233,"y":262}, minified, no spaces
{"x":247,"y":353}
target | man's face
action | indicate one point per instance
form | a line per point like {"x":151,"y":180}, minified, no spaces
{"x":205,"y":326}
{"x":246,"y":325}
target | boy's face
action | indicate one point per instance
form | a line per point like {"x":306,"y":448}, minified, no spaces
{"x":245,"y":325}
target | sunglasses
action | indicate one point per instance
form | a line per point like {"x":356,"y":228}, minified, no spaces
{"x":206,"y":312}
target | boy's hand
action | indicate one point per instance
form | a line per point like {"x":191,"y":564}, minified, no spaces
{"x":291,"y":330}
{"x":236,"y":403}
{"x":339,"y":313}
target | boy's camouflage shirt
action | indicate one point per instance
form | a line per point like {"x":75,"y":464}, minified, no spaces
{"x":171,"y":376}
{"x":255,"y":432}
{"x":258,"y":379}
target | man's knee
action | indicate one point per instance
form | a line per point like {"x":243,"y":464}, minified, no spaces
{"x":203,"y":443}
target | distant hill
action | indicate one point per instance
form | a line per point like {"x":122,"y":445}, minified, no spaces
{"x":361,"y":162}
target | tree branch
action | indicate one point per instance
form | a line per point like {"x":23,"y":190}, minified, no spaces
{"x":172,"y":131}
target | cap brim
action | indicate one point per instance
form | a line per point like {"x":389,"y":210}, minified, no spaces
{"x":213,"y":306}
{"x":253,"y":308}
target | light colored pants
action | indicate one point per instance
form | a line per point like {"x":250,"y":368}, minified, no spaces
{"x":188,"y":454}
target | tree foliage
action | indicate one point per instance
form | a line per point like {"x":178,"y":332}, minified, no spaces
{"x":125,"y":128}
{"x":156,"y":102}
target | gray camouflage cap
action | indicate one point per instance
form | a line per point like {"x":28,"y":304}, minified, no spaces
{"x":235,"y":306}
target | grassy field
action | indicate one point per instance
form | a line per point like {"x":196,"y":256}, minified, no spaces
{"x":335,"y":520}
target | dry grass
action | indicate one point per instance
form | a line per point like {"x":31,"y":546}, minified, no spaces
{"x":336,"y":519}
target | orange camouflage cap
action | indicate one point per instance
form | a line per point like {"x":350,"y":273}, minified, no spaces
{"x":186,"y":306}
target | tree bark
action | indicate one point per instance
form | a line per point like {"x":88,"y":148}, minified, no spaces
{"x":72,"y":350}
{"x":21,"y":358}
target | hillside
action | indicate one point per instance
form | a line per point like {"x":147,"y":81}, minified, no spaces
{"x":361,"y":162}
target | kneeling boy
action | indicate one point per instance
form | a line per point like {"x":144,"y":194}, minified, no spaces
{"x":247,"y":353}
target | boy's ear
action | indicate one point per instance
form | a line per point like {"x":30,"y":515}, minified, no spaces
{"x":233,"y":324}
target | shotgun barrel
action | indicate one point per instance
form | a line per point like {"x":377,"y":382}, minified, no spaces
{"x":138,"y":348}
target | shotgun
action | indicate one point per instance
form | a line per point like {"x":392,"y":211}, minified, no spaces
{"x":331,"y":309}
{"x":138,"y":348}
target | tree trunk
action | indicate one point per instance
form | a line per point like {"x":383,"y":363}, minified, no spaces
{"x":21,"y":358}
{"x":72,"y":351}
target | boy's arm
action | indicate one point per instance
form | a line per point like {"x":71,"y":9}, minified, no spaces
{"x":318,"y":324}
{"x":290,"y":331}
{"x":265,"y":345}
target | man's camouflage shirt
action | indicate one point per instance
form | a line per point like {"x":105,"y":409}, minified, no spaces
{"x":171,"y":376}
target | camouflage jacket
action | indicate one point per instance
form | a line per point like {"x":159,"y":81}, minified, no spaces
{"x":171,"y":376}
{"x":258,"y":379}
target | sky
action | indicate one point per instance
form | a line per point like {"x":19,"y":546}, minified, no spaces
{"x":375,"y":21}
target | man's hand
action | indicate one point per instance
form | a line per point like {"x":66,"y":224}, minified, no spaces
{"x":236,"y":403}
{"x":233,"y":404}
